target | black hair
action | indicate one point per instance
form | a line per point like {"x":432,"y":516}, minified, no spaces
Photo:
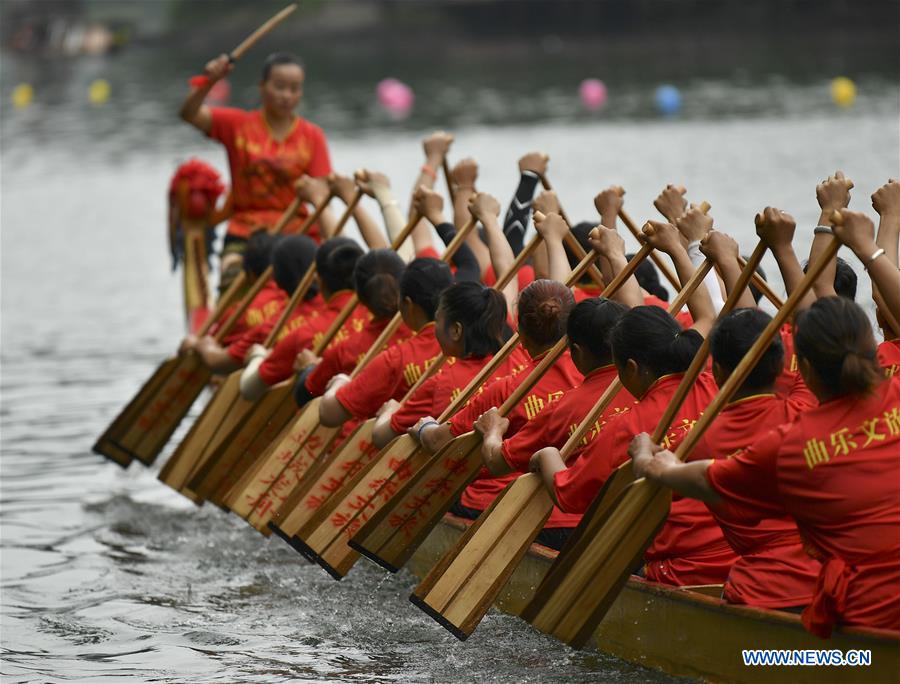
{"x":258,"y":253}
{"x":731,"y":339}
{"x":278,"y":59}
{"x":291,"y":258}
{"x":335,"y":260}
{"x":482,"y":313}
{"x":543,"y":310}
{"x":757,"y":294}
{"x":654,"y":340}
{"x":835,"y":337}
{"x":648,"y":278}
{"x":376,"y":279}
{"x":423,"y":281}
{"x":844,"y":279}
{"x":590,"y":324}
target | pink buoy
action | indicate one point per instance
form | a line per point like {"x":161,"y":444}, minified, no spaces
{"x":592,"y":93}
{"x":395,"y":97}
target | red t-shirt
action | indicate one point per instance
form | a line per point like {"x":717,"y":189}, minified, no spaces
{"x":268,"y":302}
{"x":390,"y":374}
{"x":346,"y":354}
{"x":561,"y":377}
{"x":279,"y":364}
{"x":438,"y":391}
{"x":690,"y":548}
{"x":889,"y":357}
{"x":834,"y":470}
{"x":791,"y":373}
{"x":773,"y":570}
{"x":554,"y":425}
{"x":306,"y":310}
{"x":263,"y":170}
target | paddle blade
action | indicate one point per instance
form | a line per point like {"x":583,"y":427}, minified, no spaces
{"x":327,"y":533}
{"x":593,"y":581}
{"x":393,"y":534}
{"x":464,"y":584}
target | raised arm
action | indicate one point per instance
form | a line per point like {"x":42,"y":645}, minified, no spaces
{"x":553,"y":229}
{"x":608,"y":203}
{"x":545,"y":203}
{"x":886,"y":201}
{"x":694,"y":226}
{"x":666,"y":238}
{"x":724,"y":252}
{"x":345,"y":188}
{"x":192,"y":109}
{"x":463,"y":177}
{"x":776,"y":228}
{"x":532,"y":167}
{"x":857,"y":232}
{"x":610,"y":245}
{"x":436,"y":146}
{"x":486,"y":209}
{"x":315,"y":191}
{"x":833,"y":194}
{"x":377,"y":185}
{"x":671,"y":202}
{"x":431,"y":205}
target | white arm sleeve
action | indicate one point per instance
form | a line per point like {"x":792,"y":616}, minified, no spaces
{"x":394,"y":221}
{"x":711,"y":280}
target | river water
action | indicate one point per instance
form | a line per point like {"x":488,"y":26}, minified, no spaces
{"x":108,"y":575}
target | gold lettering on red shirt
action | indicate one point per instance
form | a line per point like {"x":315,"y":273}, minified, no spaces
{"x":842,"y":442}
{"x":815,"y":453}
{"x":533,"y":406}
{"x":870,"y":432}
{"x":892,"y":420}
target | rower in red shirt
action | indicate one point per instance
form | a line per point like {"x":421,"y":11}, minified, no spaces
{"x":470,"y":326}
{"x":291,"y":258}
{"x":543,"y":309}
{"x":396,"y":369}
{"x":335,"y":261}
{"x":832,"y":469}
{"x":268,"y":148}
{"x":377,"y":283}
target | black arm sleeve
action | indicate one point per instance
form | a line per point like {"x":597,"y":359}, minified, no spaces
{"x":303,"y":396}
{"x":519,"y":213}
{"x":467,"y":268}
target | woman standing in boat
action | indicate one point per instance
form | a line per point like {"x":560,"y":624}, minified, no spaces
{"x":268,"y":148}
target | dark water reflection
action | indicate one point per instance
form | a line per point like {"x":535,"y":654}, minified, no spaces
{"x":106,"y":573}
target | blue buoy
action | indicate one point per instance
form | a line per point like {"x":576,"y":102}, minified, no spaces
{"x":668,"y":100}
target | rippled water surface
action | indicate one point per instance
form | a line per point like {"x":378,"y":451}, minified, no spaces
{"x":106,"y":574}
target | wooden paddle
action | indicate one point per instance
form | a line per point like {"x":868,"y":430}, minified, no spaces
{"x":261,"y":32}
{"x":179,"y":380}
{"x":254,"y":424}
{"x":570,"y":605}
{"x":321,"y":538}
{"x":189,"y":451}
{"x":393,"y":533}
{"x":270,"y":479}
{"x":331,"y":469}
{"x":461,"y":588}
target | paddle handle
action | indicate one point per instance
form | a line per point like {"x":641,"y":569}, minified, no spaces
{"x":288,"y":214}
{"x":519,"y":261}
{"x":260,"y":33}
{"x":755,"y":353}
{"x":450,"y":189}
{"x":762,"y":285}
{"x":336,"y":325}
{"x":226,"y":300}
{"x":348,"y":212}
{"x":667,"y":272}
{"x":249,"y":296}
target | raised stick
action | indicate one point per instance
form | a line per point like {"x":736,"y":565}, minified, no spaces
{"x":261,"y":32}
{"x":572,"y":609}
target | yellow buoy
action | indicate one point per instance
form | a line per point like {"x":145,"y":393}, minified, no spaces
{"x":98,"y":93}
{"x":843,"y":91}
{"x":22,"y":95}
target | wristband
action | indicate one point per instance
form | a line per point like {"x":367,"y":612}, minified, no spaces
{"x":429,"y":171}
{"x":199,"y":82}
{"x":823,"y":230}
{"x":878,"y":252}
{"x":423,"y":426}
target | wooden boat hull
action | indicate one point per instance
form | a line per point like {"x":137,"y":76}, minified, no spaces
{"x":686,"y":632}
